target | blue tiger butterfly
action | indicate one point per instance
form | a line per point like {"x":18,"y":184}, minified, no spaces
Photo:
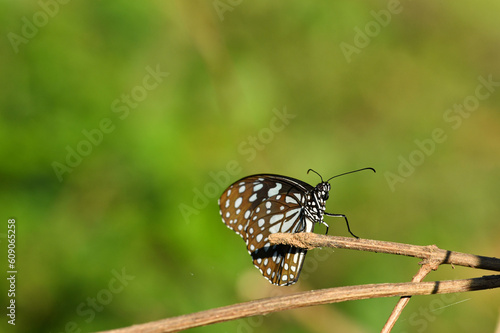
{"x":259,"y":205}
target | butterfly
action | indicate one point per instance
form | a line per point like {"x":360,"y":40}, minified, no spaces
{"x":259,"y":205}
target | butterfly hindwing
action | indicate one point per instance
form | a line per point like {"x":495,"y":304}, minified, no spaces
{"x":281,"y":264}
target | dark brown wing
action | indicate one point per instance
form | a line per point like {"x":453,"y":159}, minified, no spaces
{"x":259,"y":205}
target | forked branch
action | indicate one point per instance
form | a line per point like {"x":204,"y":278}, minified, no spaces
{"x":432,"y":255}
{"x":431,"y":252}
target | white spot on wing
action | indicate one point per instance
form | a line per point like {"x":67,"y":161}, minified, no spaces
{"x":275,"y":190}
{"x":238,"y":201}
{"x":292,"y":212}
{"x":276,"y":218}
{"x":286,"y":226}
{"x":274,"y":229}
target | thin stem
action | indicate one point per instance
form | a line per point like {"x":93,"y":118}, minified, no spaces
{"x":309,"y":298}
{"x":431,"y":252}
{"x":403,"y":301}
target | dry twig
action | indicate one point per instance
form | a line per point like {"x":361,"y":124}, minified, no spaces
{"x":431,"y":252}
{"x":432,"y":256}
{"x":425,"y":269}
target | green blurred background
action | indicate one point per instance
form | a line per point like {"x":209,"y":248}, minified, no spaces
{"x":111,"y":171}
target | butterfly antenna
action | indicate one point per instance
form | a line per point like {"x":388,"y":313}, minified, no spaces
{"x":316,"y":173}
{"x":346,"y":173}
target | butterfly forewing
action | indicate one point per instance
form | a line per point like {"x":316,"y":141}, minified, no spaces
{"x":257,"y":206}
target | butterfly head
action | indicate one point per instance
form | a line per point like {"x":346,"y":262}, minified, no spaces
{"x":322,"y":191}
{"x":317,"y":200}
{"x":318,"y":197}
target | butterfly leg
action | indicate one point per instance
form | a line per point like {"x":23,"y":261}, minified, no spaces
{"x":346,"y":222}
{"x":326,"y":225}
